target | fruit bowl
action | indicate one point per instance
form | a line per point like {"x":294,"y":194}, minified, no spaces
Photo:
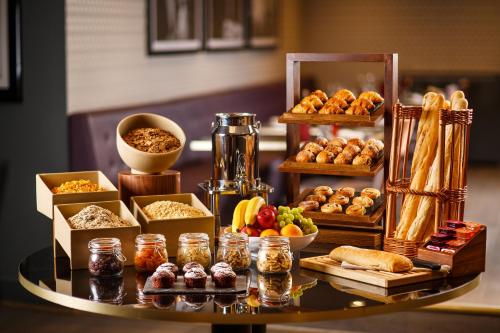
{"x":296,"y":243}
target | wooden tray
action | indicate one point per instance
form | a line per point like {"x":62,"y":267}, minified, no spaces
{"x":370,"y":219}
{"x":382,"y":279}
{"x":330,"y":119}
{"x":179,"y":287}
{"x":291,"y":166}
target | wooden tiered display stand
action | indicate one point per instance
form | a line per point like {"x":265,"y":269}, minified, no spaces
{"x":338,"y":232}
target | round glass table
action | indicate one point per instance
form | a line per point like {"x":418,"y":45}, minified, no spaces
{"x":301,"y":296}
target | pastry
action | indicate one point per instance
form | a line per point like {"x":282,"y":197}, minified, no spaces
{"x":335,"y":150}
{"x":305,"y":156}
{"x":313,"y":147}
{"x":343,"y":158}
{"x":355,"y":210}
{"x":309,"y":205}
{"x":323,"y":142}
{"x":363,"y":201}
{"x":191,"y":265}
{"x":365,"y":103}
{"x":331,"y":109}
{"x":352,"y":149}
{"x":304,"y":107}
{"x":338,"y":102}
{"x":340,"y":142}
{"x":219,"y":265}
{"x":357,"y":142}
{"x":169,"y":267}
{"x":362,"y":160}
{"x":162,"y":279}
{"x":371,"y":193}
{"x":370,"y":150}
{"x":224,"y":278}
{"x":323,"y":190}
{"x":339,"y":199}
{"x":325,"y":157}
{"x":372,"y":96}
{"x":372,"y":259}
{"x":377,"y":143}
{"x":321,"y":95}
{"x":345,"y":95}
{"x":195,"y":278}
{"x":316,"y":197}
{"x":331,"y":207}
{"x":347,"y":191}
{"x":314,"y":100}
{"x":357,"y":110}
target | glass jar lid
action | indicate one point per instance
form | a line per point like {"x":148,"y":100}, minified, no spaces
{"x":193,"y":238}
{"x":150,"y":240}
{"x":234,"y":239}
{"x":275,"y":241}
{"x":105,"y":244}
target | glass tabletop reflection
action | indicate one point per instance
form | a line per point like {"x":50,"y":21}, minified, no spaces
{"x":302,"y":295}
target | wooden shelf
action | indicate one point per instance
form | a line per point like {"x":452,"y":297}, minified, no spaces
{"x":331,"y":119}
{"x":291,"y":166}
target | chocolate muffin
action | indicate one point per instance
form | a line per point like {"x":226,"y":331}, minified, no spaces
{"x":195,"y":278}
{"x":163,"y":301}
{"x":162,"y":279}
{"x":224,"y":300}
{"x":219,"y":265}
{"x":224,"y":278}
{"x":191,"y":265}
{"x":169,"y":267}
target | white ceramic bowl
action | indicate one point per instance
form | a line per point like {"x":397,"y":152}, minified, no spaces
{"x":296,"y":243}
{"x":143,"y":162}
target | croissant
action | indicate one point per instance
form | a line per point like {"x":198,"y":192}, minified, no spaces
{"x":372,"y":96}
{"x":364,"y":103}
{"x":331,"y":109}
{"x":305,"y":106}
{"x":337,"y":101}
{"x":299,"y":108}
{"x":321,"y":95}
{"x":314,"y":100}
{"x":345,"y":95}
{"x":357,"y":110}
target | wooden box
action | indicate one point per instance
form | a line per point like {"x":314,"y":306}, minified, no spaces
{"x":330,"y":238}
{"x":74,"y":242}
{"x":172,"y":228}
{"x":45,"y":182}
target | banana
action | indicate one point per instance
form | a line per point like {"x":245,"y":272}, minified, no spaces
{"x":239,"y":216}
{"x":253,"y":208}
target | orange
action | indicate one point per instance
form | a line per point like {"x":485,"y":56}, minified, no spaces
{"x":269,"y":232}
{"x":291,"y":230}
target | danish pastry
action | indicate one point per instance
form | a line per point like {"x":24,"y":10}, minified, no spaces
{"x":309,"y":205}
{"x":321,"y":95}
{"x":352,"y":149}
{"x":370,"y":192}
{"x":304,"y":156}
{"x":339,"y":199}
{"x":365,"y":103}
{"x":363,"y":201}
{"x":323,"y":190}
{"x":338,"y":102}
{"x":370,"y":150}
{"x":316,"y":197}
{"x":341,"y":142}
{"x":323,"y":142}
{"x":325,"y":157}
{"x":362,"y":160}
{"x":346,"y":95}
{"x":331,"y":109}
{"x":313,"y":147}
{"x":355,"y":210}
{"x":372,"y":96}
{"x":346,"y":191}
{"x":331,"y":208}
{"x":357,"y":142}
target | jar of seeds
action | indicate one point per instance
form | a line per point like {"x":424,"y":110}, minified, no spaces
{"x":106,"y":258}
{"x":194,"y":247}
{"x":233,"y":249}
{"x":274,"y":255}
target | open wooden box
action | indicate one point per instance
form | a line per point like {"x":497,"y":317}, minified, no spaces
{"x":172,"y":228}
{"x":74,"y":242}
{"x":45,"y":182}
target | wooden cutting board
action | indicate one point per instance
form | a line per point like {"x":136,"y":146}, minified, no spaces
{"x":382,"y":279}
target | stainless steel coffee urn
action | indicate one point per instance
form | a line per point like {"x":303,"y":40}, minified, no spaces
{"x":235,"y":160}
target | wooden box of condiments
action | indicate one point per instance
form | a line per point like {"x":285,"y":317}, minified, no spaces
{"x":46,"y":182}
{"x":74,"y":242}
{"x":173,"y":227}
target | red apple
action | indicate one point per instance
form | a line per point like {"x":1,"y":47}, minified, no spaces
{"x":266,"y":218}
{"x":275,"y":210}
{"x":251,"y":232}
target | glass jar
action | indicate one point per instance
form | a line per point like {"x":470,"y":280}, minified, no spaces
{"x":107,"y":290}
{"x":194,"y":247}
{"x":274,"y":289}
{"x":233,"y":249}
{"x":106,"y":258}
{"x":150,"y":252}
{"x":274,"y":255}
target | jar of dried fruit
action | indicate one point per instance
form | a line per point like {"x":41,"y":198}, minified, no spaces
{"x":106,"y":258}
{"x":194,"y":247}
{"x":233,"y":249}
{"x":274,"y":255}
{"x":150,"y":252}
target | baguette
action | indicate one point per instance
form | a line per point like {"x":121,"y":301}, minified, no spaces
{"x":372,"y":259}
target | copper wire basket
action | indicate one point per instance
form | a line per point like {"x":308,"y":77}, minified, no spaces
{"x":450,"y":200}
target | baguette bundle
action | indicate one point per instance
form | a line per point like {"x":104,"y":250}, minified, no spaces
{"x":372,"y":259}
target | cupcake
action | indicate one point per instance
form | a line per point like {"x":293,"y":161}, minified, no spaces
{"x":218,"y":266}
{"x":191,"y":265}
{"x":168,"y":266}
{"x":195,"y":278}
{"x":163,"y":279}
{"x":224,"y":278}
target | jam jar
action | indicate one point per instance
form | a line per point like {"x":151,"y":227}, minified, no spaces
{"x":274,"y":255}
{"x":233,"y":249}
{"x":150,"y":252}
{"x":194,"y":247}
{"x":106,"y":258}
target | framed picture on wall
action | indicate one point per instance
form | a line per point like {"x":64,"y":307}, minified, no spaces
{"x":175,"y":26}
{"x":225,"y":24}
{"x":10,"y":50}
{"x":263,"y":24}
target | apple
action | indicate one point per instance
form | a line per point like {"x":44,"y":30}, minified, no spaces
{"x":251,"y":232}
{"x":275,"y":210}
{"x":266,"y":218}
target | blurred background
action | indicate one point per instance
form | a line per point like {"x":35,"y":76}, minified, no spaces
{"x":83,"y":65}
